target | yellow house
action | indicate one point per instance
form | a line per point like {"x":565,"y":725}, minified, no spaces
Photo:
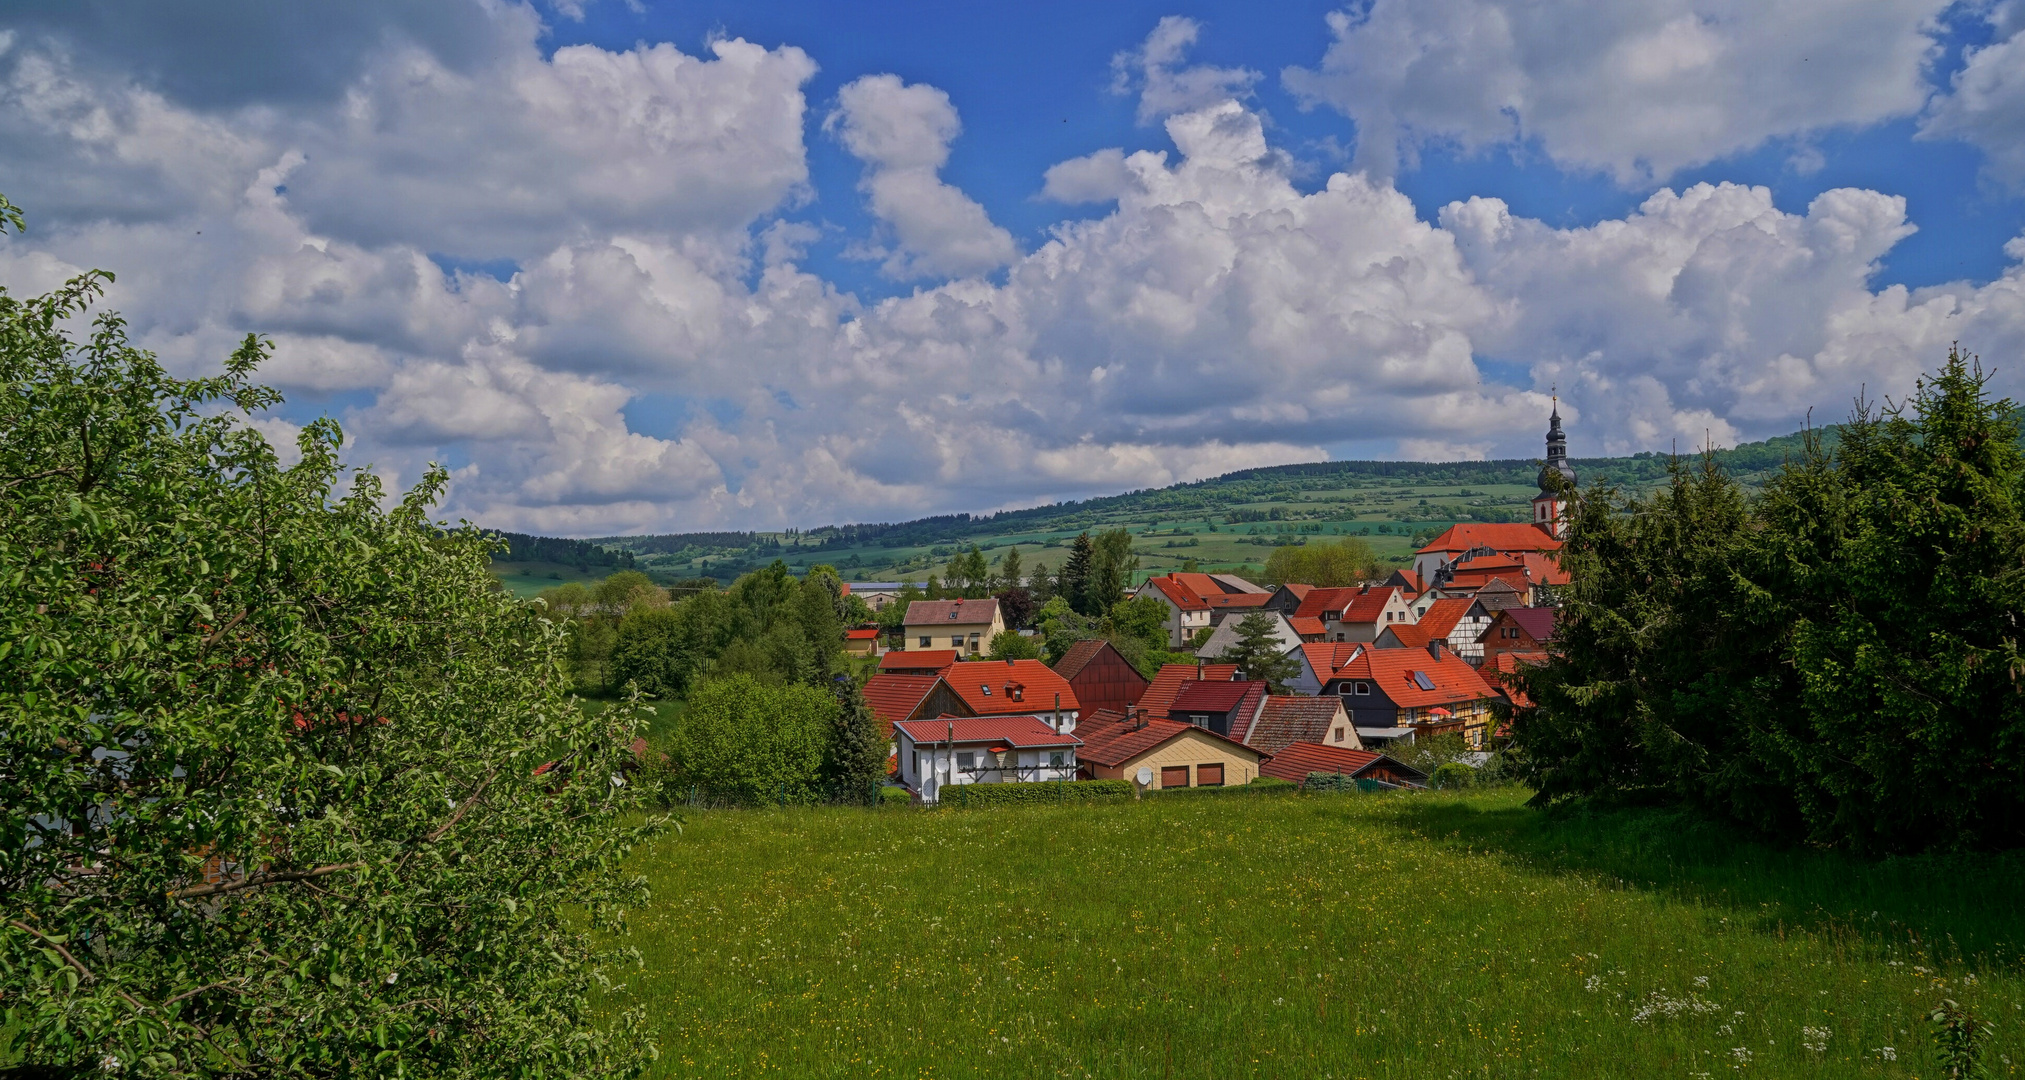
{"x":964,"y":625}
{"x":1174,"y":754}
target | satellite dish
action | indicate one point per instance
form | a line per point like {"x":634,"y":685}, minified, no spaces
{"x":1145,"y":776}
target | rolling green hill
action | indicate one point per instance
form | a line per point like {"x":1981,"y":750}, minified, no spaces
{"x":1229,"y":522}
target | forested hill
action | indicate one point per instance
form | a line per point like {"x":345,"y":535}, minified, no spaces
{"x":1220,"y":522}
{"x":1750,"y":462}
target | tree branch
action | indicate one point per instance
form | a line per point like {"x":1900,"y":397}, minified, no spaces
{"x":219,"y":633}
{"x":261,"y":880}
{"x":437,"y":833}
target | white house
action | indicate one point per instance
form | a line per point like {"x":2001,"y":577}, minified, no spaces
{"x":981,"y":750}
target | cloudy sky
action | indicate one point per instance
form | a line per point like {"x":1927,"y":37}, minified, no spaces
{"x":646,"y":266}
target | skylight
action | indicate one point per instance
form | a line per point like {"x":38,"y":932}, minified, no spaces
{"x":1421,"y":680}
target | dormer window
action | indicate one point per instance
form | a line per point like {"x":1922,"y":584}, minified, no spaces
{"x":1016,"y":691}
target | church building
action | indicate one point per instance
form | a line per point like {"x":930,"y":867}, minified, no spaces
{"x":1550,"y":509}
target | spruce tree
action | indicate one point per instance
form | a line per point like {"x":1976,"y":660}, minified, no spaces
{"x":855,"y":761}
{"x":1260,"y":654}
{"x":1075,"y":580}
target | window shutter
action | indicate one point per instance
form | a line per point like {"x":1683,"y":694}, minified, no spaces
{"x":1209,"y":775}
{"x":1174,"y":776}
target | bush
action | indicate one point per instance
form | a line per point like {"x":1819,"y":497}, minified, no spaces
{"x":978,"y":795}
{"x":751,"y":744}
{"x":893,"y":795}
{"x":1452,"y":774}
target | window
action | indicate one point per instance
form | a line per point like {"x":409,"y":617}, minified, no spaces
{"x":1209,"y":775}
{"x":956,"y":641}
{"x":966,"y":761}
{"x":1055,"y":760}
{"x":917,"y":763}
{"x":1364,"y":688}
{"x":1339,"y":734}
{"x":926,"y":641}
{"x":1174,"y":776}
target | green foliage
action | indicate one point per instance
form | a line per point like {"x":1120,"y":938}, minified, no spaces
{"x":1075,"y":583}
{"x":1061,"y":626}
{"x":1328,"y":782}
{"x":206,"y":656}
{"x":1259,"y":654}
{"x":1011,"y":645}
{"x":1272,"y":783}
{"x":854,"y":757}
{"x":1010,"y":570}
{"x":1329,"y":566}
{"x":968,"y":575}
{"x":1111,"y":566}
{"x":1450,"y":775}
{"x":894,"y":795}
{"x":972,"y":796}
{"x":750,"y":743}
{"x":1834,"y":661}
{"x":1959,"y":1036}
{"x":1201,"y":637}
{"x":767,"y":625}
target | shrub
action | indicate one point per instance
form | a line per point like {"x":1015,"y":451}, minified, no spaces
{"x":1452,"y":774}
{"x":1271,"y":783}
{"x":751,"y":744}
{"x":892,"y":795}
{"x":979,"y":795}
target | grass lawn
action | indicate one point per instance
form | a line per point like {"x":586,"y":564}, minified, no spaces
{"x":1430,"y":935}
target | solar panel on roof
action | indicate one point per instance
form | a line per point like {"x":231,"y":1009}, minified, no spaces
{"x":1421,"y":680}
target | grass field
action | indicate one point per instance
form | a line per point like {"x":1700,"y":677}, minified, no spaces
{"x":525,"y":579}
{"x":1430,"y":935}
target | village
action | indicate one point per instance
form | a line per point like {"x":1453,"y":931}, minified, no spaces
{"x":1428,"y":651}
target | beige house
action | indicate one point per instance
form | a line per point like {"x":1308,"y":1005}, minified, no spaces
{"x":964,"y":625}
{"x":1116,"y":747}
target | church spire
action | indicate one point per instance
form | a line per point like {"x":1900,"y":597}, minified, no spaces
{"x":1549,"y":507}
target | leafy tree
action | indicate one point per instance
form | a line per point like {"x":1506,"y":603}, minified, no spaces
{"x":1074,"y":584}
{"x":1111,"y":567}
{"x":1017,"y":606}
{"x":752,"y":744}
{"x":1062,"y":626}
{"x":1329,"y":566}
{"x":647,"y":653}
{"x":292,"y":789}
{"x":1143,"y":617}
{"x":1012,"y":645}
{"x":1259,"y":654}
{"x":854,"y":760}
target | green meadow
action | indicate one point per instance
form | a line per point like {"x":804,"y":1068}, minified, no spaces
{"x":1421,"y":935}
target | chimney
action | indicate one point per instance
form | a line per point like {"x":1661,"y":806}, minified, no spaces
{"x":1436,"y":647}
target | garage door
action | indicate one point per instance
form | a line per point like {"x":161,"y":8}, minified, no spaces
{"x":1174,"y":776}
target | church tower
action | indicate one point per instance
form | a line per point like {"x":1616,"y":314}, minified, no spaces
{"x":1550,"y":510}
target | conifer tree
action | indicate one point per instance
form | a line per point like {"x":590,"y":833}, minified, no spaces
{"x":855,"y":761}
{"x":1259,"y":653}
{"x":1074,"y":585}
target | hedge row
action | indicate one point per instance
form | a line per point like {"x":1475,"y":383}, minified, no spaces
{"x":1328,"y":781}
{"x":1264,"y":785}
{"x":974,"y":795}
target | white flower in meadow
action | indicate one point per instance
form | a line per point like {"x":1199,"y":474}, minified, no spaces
{"x":1742,"y":1054}
{"x":1814,"y":1038}
{"x":1887,"y":1053}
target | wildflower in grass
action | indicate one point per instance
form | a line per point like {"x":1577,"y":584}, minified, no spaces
{"x":1659,"y":1006}
{"x":1887,"y":1053}
{"x":1742,"y":1054}
{"x":1814,"y":1038}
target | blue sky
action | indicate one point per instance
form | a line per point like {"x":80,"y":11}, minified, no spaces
{"x":651,"y":266}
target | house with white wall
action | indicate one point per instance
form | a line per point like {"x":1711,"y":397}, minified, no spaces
{"x":981,"y":750}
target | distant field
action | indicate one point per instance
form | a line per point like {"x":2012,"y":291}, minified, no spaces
{"x":1430,"y":935}
{"x":525,"y":579}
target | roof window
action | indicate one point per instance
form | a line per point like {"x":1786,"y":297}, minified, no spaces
{"x":986,"y":688}
{"x":1421,"y":680}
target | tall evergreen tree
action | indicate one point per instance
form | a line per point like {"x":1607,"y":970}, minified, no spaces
{"x":1040,"y":583}
{"x":1009,"y":569}
{"x":1074,"y":585}
{"x":854,"y":762}
{"x":1259,"y":653}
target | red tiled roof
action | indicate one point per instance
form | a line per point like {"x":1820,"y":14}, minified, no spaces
{"x":1023,"y":730}
{"x":864,"y":633}
{"x":1545,"y":569}
{"x":1299,"y":591}
{"x":1393,"y":669}
{"x":895,"y":697}
{"x":1210,"y":696}
{"x":1307,"y":625}
{"x":1178,"y":594}
{"x":1537,"y":621}
{"x":1293,"y":719}
{"x":1239,"y":600}
{"x":1322,"y":601}
{"x":1172,"y":677}
{"x":1408,"y":635}
{"x":1000,"y":687}
{"x":951,"y":612}
{"x":1326,"y":657}
{"x":1443,"y":615}
{"x":1502,"y":536}
{"x":1368,"y":604}
{"x":1297,"y":760}
{"x":1110,"y":739}
{"x":918,"y":660}
{"x":1498,"y":667}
